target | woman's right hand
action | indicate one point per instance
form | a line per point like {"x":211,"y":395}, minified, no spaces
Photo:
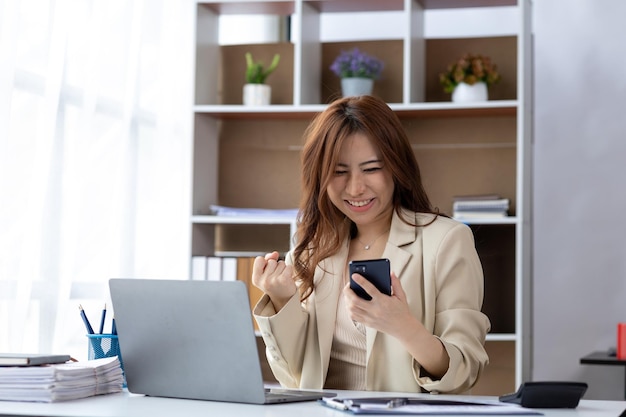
{"x":274,"y":278}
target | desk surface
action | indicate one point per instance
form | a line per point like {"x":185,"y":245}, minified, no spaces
{"x":126,"y":405}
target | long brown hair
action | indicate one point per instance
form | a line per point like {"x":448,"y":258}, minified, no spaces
{"x":322,"y":227}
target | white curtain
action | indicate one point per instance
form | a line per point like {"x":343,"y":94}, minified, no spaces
{"x":95,"y":159}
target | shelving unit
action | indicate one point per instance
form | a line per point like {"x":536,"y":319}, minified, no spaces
{"x":249,"y":156}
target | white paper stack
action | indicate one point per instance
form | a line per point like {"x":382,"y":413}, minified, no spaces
{"x":254,"y":212}
{"x":68,"y":381}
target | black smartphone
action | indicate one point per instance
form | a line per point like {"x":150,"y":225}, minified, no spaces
{"x":376,"y":271}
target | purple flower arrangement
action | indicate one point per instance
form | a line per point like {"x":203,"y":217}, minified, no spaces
{"x":357,"y":64}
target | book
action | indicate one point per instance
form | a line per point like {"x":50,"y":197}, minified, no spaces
{"x":244,"y":273}
{"x":214,"y":268}
{"x":31,"y":359}
{"x":229,"y":268}
{"x":61,"y":382}
{"x":198,"y":267}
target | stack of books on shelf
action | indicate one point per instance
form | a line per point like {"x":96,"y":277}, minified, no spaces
{"x":220,"y":268}
{"x":61,"y":382}
{"x":480,"y":207}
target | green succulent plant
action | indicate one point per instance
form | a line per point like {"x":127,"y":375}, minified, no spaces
{"x":256,"y":73}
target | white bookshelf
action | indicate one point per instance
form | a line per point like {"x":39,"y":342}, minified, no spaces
{"x":462,"y":149}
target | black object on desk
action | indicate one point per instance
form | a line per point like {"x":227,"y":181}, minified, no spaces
{"x":547,"y":394}
{"x":604,"y":358}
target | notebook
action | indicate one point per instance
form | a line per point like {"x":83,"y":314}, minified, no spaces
{"x":192,"y":339}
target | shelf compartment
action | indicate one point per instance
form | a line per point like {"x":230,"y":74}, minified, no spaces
{"x":465,"y":155}
{"x":442,"y":52}
{"x":210,"y":62}
{"x":496,"y":248}
{"x":212,"y":239}
{"x":389,"y":87}
{"x":233,"y":70}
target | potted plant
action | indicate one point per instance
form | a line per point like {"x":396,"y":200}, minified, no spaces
{"x":469,"y":78}
{"x":357,"y":71}
{"x":255,"y":91}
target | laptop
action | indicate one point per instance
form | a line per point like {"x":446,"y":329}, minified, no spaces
{"x":194,"y":340}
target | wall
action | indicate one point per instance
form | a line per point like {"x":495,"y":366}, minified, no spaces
{"x":579,"y":242}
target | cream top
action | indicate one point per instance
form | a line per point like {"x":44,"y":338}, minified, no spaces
{"x":348,"y":353}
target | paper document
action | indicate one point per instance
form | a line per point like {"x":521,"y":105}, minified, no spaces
{"x":424,"y":406}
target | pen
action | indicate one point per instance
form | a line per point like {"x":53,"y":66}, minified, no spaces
{"x":397,"y":402}
{"x":104,"y":314}
{"x":85,"y":320}
{"x":113,"y":328}
{"x":333,"y":403}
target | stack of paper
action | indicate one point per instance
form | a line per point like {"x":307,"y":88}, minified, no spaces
{"x":68,"y":381}
{"x":253,"y":212}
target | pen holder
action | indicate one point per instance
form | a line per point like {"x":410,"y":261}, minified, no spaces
{"x":105,"y":346}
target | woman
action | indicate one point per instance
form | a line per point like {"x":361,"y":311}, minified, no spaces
{"x":362,"y":198}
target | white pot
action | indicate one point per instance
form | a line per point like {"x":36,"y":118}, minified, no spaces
{"x":257,"y":94}
{"x":465,"y":93}
{"x":356,"y":86}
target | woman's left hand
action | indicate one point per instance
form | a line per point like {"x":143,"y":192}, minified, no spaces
{"x":388,"y":314}
{"x":391,"y":315}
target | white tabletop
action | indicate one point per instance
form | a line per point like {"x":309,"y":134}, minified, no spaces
{"x":127,"y":405}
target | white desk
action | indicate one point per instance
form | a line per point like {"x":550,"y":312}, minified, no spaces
{"x":130,"y":405}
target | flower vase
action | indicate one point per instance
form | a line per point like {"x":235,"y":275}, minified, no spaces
{"x":465,"y":93}
{"x":257,"y":94}
{"x":356,"y":86}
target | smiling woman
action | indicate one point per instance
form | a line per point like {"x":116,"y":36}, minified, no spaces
{"x":93,"y":174}
{"x":362,"y":198}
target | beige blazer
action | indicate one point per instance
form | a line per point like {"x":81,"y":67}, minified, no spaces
{"x":442,"y":276}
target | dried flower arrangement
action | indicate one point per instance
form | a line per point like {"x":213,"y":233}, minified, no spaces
{"x":469,"y":69}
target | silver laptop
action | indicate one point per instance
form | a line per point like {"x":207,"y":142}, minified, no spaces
{"x":192,"y":339}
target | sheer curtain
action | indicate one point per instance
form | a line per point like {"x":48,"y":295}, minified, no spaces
{"x":95,"y":159}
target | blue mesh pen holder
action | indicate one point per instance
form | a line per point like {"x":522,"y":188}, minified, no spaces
{"x":105,"y":346}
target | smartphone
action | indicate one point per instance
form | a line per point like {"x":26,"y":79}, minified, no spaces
{"x":376,"y":271}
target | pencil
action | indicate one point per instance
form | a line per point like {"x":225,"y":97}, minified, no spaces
{"x":85,"y":320}
{"x":104,"y":314}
